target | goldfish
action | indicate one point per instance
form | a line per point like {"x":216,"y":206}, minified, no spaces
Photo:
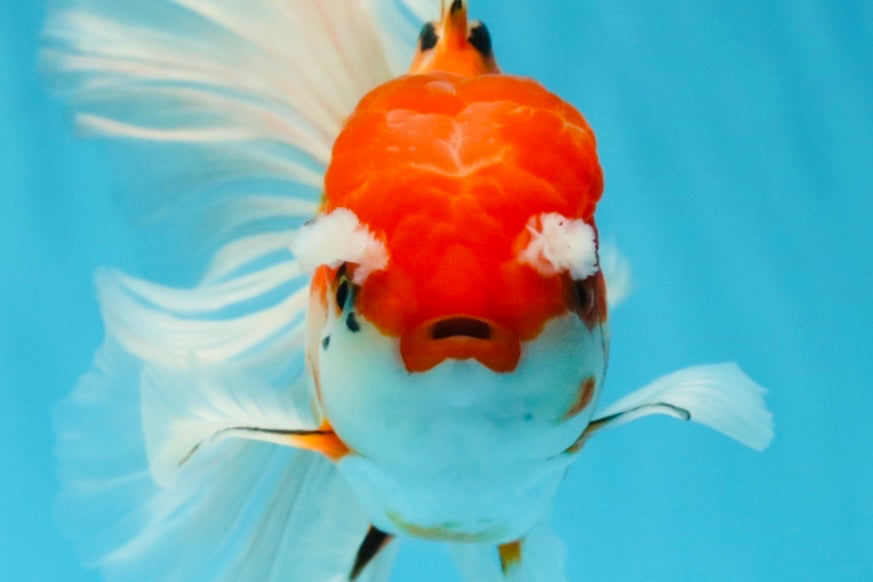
{"x":402,"y":326}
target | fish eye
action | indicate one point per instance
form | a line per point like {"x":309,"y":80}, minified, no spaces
{"x":480,"y":38}
{"x":428,"y":37}
{"x":584,"y":296}
{"x":343,"y":288}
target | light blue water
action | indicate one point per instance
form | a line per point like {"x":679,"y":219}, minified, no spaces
{"x":737,"y":142}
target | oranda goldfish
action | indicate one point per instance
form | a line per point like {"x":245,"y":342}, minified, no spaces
{"x":402,"y":329}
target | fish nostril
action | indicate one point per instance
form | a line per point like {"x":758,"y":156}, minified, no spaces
{"x":460,"y":327}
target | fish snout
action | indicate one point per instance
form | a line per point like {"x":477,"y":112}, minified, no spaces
{"x":460,"y":337}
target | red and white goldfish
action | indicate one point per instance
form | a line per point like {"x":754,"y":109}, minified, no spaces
{"x":403,"y":327}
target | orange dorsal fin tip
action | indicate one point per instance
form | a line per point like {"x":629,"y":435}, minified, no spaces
{"x":454,"y":25}
{"x":454,"y":45}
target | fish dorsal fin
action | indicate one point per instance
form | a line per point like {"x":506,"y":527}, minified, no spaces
{"x":454,"y":45}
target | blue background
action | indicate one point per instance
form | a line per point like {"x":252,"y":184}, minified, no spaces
{"x":737,"y":142}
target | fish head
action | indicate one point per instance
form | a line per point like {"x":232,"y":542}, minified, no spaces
{"x":464,"y":278}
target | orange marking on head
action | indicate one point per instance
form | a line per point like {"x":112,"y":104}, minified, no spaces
{"x":586,"y":394}
{"x":510,"y":555}
{"x":448,"y":170}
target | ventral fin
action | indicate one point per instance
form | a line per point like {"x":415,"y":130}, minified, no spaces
{"x":322,"y":440}
{"x":373,"y":543}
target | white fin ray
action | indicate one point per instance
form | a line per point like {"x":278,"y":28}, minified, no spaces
{"x":145,"y":318}
{"x":239,"y":103}
{"x":228,"y":95}
{"x":212,"y":297}
{"x":720,"y":396}
{"x":233,"y":257}
{"x":242,"y":510}
{"x":543,"y":557}
{"x":306,"y":66}
{"x":187,"y":406}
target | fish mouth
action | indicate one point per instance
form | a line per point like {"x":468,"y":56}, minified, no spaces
{"x":460,"y":337}
{"x":455,"y":327}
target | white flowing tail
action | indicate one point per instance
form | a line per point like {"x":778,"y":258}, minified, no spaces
{"x":237,"y":103}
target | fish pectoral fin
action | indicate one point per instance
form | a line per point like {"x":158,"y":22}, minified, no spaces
{"x":626,"y":416}
{"x":637,"y":412}
{"x":321,"y":440}
{"x":373,"y":543}
{"x":720,"y":396}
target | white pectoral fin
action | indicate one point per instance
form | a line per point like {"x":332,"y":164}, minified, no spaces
{"x":539,"y":556}
{"x":189,"y":407}
{"x":133,"y":492}
{"x":720,"y":396}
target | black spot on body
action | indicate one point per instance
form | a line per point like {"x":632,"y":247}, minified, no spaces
{"x":428,"y":37}
{"x":584,"y":295}
{"x":325,"y":342}
{"x":480,"y":38}
{"x":352,"y":323}
{"x":456,"y":5}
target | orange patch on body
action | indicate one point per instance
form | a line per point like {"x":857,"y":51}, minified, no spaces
{"x":586,"y":394}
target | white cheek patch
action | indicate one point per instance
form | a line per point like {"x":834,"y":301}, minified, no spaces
{"x":337,"y":238}
{"x":560,"y":244}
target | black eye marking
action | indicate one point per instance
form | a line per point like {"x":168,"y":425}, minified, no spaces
{"x":480,"y":38}
{"x":428,"y":37}
{"x":352,"y":323}
{"x":342,"y":294}
{"x":584,"y":295}
{"x":342,"y":289}
{"x":325,"y":342}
